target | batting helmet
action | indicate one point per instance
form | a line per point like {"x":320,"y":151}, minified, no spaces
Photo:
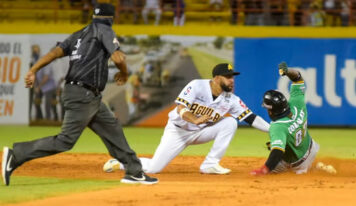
{"x":276,"y":103}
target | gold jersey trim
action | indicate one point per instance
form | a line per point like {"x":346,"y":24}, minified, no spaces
{"x":244,"y":114}
{"x":279,"y":148}
{"x":183,"y":101}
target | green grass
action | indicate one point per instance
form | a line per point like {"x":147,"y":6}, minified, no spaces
{"x":340,"y":143}
{"x":28,"y":188}
{"x":204,"y":62}
{"x":247,"y":141}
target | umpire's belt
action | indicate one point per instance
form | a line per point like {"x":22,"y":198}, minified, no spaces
{"x":301,"y":160}
{"x":86,"y":86}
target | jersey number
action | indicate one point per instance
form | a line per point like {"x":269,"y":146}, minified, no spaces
{"x":75,"y":52}
{"x":300,"y":134}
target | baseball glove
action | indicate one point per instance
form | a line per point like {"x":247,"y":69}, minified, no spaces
{"x":283,"y":68}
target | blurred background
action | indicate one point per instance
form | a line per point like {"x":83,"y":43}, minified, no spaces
{"x":179,"y":12}
{"x":170,"y":42}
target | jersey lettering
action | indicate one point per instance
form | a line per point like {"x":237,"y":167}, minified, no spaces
{"x":193,"y":108}
{"x":203,"y":110}
{"x":216,"y":117}
{"x":75,"y":55}
{"x":297,"y":123}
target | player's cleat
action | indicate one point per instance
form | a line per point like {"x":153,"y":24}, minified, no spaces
{"x":8,"y":165}
{"x":140,"y":178}
{"x":112,"y":165}
{"x":217,"y":169}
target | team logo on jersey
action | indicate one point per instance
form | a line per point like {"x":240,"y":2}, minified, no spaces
{"x":97,"y":10}
{"x":187,"y":91}
{"x":243,"y":105}
{"x":277,"y":142}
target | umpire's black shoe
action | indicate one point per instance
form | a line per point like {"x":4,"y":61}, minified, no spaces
{"x":140,"y":178}
{"x":8,"y":164}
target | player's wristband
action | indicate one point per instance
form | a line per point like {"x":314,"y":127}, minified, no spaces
{"x":182,"y":111}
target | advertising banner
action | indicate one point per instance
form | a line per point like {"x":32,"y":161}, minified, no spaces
{"x":14,"y":61}
{"x":159,"y":68}
{"x":328,"y":67}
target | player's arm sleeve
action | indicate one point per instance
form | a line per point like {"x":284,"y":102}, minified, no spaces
{"x":66,"y":45}
{"x":275,"y":156}
{"x":278,"y":138}
{"x":257,"y":122}
{"x":109,"y":40}
{"x":297,"y":94}
{"x":239,"y":110}
{"x":187,"y":95}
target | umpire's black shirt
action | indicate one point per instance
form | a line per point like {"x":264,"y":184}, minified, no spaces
{"x":89,"y":50}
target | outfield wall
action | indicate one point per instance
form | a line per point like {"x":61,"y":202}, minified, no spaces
{"x":14,"y":60}
{"x":326,"y":57}
{"x":327,"y":65}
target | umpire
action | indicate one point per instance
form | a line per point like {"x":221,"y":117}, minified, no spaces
{"x":89,"y":50}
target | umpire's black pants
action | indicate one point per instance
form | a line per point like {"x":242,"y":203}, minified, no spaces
{"x":82,"y":108}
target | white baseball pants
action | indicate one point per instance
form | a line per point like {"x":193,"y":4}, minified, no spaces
{"x":175,"y":140}
{"x":302,"y":168}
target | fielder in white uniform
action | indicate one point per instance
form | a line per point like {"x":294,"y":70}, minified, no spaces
{"x":199,"y":118}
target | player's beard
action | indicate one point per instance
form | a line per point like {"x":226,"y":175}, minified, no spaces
{"x":225,"y":88}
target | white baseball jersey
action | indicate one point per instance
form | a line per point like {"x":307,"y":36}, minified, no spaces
{"x":197,"y":97}
{"x":178,"y":133}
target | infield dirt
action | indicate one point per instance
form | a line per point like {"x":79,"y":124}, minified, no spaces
{"x":182,"y":184}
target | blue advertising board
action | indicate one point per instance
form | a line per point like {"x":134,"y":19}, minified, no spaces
{"x":328,"y":67}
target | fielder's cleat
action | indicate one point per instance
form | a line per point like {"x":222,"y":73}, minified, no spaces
{"x":8,"y":165}
{"x":217,"y":169}
{"x":140,"y":178}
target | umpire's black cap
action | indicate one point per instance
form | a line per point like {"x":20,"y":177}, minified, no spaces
{"x":104,"y":9}
{"x":224,"y":69}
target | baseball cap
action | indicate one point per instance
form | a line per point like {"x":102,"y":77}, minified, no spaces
{"x":104,"y":9}
{"x":224,"y":69}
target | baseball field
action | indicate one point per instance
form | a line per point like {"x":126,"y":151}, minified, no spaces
{"x":76,"y":177}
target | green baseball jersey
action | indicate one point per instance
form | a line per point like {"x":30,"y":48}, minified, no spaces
{"x":291,"y":134}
